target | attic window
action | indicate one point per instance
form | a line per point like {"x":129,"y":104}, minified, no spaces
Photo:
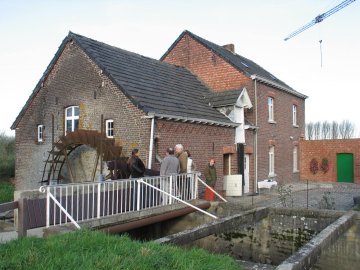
{"x":109,"y":124}
{"x":40,"y":133}
{"x":244,"y":64}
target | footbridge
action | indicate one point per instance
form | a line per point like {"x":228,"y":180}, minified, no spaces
{"x":116,"y":205}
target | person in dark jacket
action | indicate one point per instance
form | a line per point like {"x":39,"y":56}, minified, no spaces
{"x":210,"y":178}
{"x":135,"y":165}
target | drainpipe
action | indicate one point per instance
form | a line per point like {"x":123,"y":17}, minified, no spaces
{"x":256,"y":139}
{"x":151,"y":145}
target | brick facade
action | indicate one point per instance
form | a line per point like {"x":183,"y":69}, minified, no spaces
{"x":320,"y":149}
{"x":203,"y":142}
{"x":75,"y":80}
{"x":219,"y":75}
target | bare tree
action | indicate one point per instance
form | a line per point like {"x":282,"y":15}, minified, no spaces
{"x":309,"y":130}
{"x":346,"y":129}
{"x":334,"y":130}
{"x":317,"y":130}
{"x":325,"y":130}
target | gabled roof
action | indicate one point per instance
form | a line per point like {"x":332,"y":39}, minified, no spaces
{"x":244,"y":65}
{"x":157,"y":88}
{"x":222,"y":99}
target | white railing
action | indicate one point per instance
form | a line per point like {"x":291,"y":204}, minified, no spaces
{"x":92,"y":200}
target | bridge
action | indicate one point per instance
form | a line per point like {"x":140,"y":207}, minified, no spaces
{"x":114,"y":206}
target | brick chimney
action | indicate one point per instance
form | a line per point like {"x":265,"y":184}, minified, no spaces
{"x":229,"y":47}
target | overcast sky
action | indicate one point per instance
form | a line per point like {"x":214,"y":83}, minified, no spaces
{"x":31,"y":32}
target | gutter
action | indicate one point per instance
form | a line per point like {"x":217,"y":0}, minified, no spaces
{"x":190,"y":120}
{"x":276,"y":85}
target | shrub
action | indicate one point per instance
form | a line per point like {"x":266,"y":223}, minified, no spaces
{"x":7,"y":155}
{"x":314,"y":166}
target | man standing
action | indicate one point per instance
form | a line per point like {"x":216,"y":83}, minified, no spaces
{"x":169,"y":165}
{"x":210,"y":177}
{"x":181,"y":181}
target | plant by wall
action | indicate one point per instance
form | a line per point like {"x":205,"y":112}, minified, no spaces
{"x":324,"y":165}
{"x":314,"y":166}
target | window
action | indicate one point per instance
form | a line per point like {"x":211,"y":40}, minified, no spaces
{"x":71,"y":119}
{"x":294,"y":112}
{"x":110,"y":128}
{"x":295,"y":159}
{"x":271,"y":109}
{"x":272,"y":161}
{"x":40,"y":133}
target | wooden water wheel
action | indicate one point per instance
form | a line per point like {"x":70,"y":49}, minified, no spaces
{"x":106,"y":150}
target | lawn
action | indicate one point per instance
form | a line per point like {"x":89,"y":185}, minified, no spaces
{"x":86,"y":249}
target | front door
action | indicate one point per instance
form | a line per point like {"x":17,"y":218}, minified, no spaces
{"x":345,"y":167}
{"x":246,"y":173}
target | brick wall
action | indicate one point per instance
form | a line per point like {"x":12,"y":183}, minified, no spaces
{"x":328,"y":149}
{"x":219,"y":75}
{"x":214,"y":71}
{"x":203,"y":142}
{"x":75,"y":80}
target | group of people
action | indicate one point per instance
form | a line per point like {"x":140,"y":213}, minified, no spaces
{"x":177,"y":161}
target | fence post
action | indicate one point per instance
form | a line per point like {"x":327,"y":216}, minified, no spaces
{"x":171,"y":188}
{"x":98,"y":200}
{"x":138,"y":195}
{"x":22,"y":220}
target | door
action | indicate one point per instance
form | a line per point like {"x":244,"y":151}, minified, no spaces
{"x":246,"y":173}
{"x":345,"y":167}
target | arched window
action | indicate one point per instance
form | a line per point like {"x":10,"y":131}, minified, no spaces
{"x":295,"y":159}
{"x":71,"y":119}
{"x":271,"y":161}
{"x":271,"y":109}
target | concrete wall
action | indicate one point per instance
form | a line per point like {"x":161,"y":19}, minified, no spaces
{"x":328,"y":149}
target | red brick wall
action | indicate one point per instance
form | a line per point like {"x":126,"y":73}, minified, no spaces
{"x":203,"y":142}
{"x":73,"y":81}
{"x":320,"y":149}
{"x":219,"y":75}
{"x":214,"y":71}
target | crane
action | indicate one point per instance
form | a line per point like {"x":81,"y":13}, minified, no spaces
{"x":320,"y":18}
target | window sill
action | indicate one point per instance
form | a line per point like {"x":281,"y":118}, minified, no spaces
{"x":295,"y":126}
{"x":297,"y":171}
{"x":271,"y":122}
{"x":272,"y":175}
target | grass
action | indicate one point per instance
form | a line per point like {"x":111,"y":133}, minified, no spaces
{"x":6,"y":190}
{"x":86,"y":249}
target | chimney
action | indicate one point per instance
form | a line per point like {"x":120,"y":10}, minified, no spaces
{"x":229,"y":47}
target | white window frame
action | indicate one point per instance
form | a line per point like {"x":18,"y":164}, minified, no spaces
{"x":40,"y":133}
{"x":295,"y":159}
{"x":271,"y":109}
{"x":271,"y":161}
{"x":73,"y":118}
{"x":109,"y":129}
{"x":294,"y":115}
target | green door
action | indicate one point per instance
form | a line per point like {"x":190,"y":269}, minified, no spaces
{"x":345,"y":167}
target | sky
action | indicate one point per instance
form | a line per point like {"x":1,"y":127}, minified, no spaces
{"x":32,"y":31}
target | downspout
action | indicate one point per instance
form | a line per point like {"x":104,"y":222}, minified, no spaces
{"x":151,"y":145}
{"x":256,"y":140}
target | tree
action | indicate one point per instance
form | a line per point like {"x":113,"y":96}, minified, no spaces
{"x":317,"y":130}
{"x":326,"y":130}
{"x":309,"y":130}
{"x":346,"y":129}
{"x":334,"y":130}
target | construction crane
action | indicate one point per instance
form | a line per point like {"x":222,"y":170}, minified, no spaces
{"x":320,"y":18}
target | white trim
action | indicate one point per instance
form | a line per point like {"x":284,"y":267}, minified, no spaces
{"x":108,"y":129}
{"x":272,"y":161}
{"x":271,"y":108}
{"x":294,"y":115}
{"x":73,"y":118}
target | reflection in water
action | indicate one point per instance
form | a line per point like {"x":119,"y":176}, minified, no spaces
{"x":344,"y":254}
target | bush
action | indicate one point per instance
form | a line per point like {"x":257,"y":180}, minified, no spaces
{"x":6,"y":191}
{"x":7,"y":155}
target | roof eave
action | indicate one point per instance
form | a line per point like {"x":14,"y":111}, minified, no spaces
{"x":276,"y":85}
{"x":191,"y":120}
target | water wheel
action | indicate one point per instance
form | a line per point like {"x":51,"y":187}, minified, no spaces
{"x":106,"y":150}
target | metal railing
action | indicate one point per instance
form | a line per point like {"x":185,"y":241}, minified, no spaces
{"x":93,"y":200}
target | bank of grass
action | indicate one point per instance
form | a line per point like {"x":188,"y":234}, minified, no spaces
{"x":86,"y":249}
{"x":6,"y":190}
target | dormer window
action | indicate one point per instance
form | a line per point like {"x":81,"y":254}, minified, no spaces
{"x":71,"y":119}
{"x":109,"y":128}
